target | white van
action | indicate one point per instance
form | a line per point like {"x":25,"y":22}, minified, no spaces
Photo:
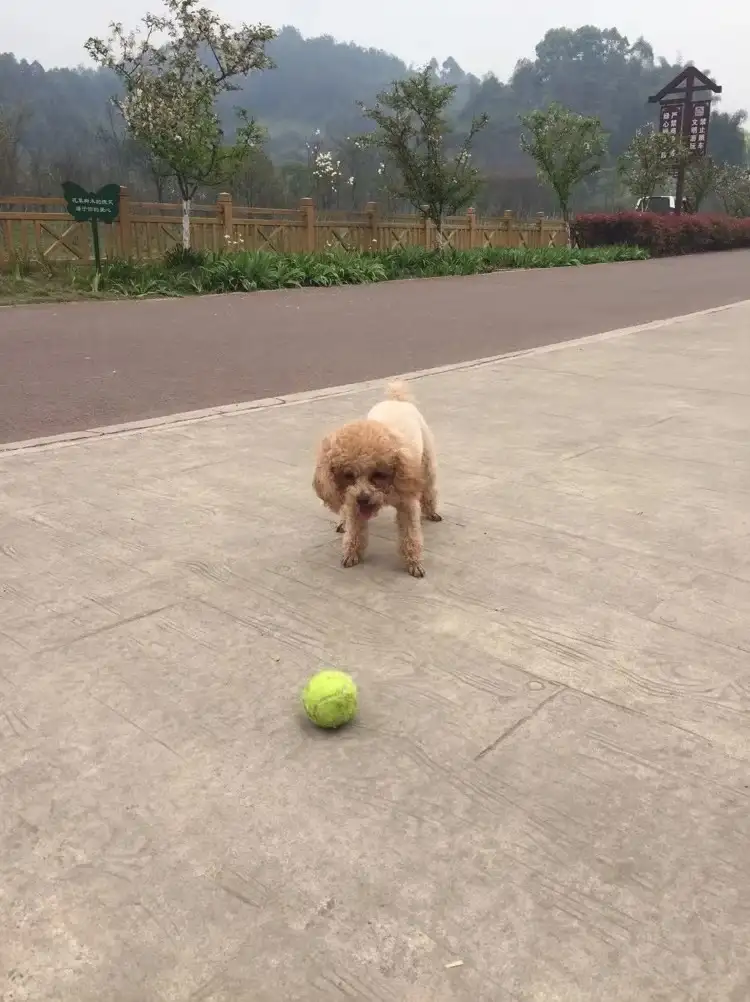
{"x":664,"y":205}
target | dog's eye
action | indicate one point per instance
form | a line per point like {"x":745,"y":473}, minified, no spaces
{"x":347,"y":476}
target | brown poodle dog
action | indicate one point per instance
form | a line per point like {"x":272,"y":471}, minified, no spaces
{"x":387,"y":459}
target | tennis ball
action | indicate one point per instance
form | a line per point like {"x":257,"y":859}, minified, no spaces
{"x":330,"y":699}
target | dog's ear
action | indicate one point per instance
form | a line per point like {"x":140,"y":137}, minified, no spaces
{"x":408,"y":479}
{"x":323,"y":483}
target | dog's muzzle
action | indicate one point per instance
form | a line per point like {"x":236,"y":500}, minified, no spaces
{"x":365,"y":507}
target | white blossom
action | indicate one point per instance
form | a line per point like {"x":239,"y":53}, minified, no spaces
{"x":325,"y":166}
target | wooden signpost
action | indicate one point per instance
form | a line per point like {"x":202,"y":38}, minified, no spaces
{"x":685,"y":110}
{"x":96,"y":207}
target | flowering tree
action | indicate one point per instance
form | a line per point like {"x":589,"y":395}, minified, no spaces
{"x":359,"y":170}
{"x":566,"y":148}
{"x":411,"y":129}
{"x":325,"y":171}
{"x":733,"y":188}
{"x":327,"y":174}
{"x":701,"y":174}
{"x":649,"y":161}
{"x":171,"y":88}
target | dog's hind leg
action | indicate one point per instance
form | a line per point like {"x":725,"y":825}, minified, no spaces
{"x":410,"y":537}
{"x":429,"y":497}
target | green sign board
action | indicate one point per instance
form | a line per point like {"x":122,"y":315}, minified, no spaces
{"x":83,"y":206}
{"x":102,"y":206}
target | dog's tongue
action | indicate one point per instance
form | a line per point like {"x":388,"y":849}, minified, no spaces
{"x":366,"y":512}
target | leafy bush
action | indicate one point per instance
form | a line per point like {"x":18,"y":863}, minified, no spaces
{"x":661,"y":235}
{"x":184,"y":258}
{"x":248,"y":271}
{"x":416,"y":262}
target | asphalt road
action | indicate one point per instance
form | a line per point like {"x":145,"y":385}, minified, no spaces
{"x":73,"y":366}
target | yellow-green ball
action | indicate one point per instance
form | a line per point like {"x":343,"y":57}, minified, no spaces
{"x":330,"y":699}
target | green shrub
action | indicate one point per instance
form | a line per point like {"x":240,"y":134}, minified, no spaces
{"x":200,"y":272}
{"x":248,"y":271}
{"x":184,"y":258}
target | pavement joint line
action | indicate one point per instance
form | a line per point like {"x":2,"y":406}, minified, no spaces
{"x":310,"y":396}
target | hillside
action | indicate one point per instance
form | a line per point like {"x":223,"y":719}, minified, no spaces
{"x":57,"y":123}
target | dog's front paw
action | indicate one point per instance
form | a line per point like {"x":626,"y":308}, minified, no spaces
{"x":415,"y":569}
{"x":350,"y":559}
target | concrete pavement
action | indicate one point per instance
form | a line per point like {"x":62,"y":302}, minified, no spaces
{"x":546,"y":794}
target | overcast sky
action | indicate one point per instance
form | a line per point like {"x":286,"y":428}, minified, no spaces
{"x":489,"y":36}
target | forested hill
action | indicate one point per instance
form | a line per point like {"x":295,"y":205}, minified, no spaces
{"x":594,"y":72}
{"x":59,"y":122}
{"x":314,"y":86}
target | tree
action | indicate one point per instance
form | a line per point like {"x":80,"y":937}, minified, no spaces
{"x":327,"y":178}
{"x":127,"y":160}
{"x":700,"y":180}
{"x":296,"y":180}
{"x":324,"y":171}
{"x":171,"y":90}
{"x":733,"y":188}
{"x":256,"y":182}
{"x":649,"y":161}
{"x":595,"y":72}
{"x":726,"y":138}
{"x":360,"y":167}
{"x":412,"y":131}
{"x":566,"y":147}
{"x":11,"y":127}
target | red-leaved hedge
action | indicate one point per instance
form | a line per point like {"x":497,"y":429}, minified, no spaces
{"x":662,"y":235}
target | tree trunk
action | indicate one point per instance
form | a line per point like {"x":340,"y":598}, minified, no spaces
{"x":439,"y":242}
{"x":186,"y":224}
{"x":566,"y":220}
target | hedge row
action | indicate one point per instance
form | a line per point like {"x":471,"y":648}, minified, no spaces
{"x":661,"y":235}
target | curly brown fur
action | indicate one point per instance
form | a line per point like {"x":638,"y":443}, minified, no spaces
{"x":387,"y":459}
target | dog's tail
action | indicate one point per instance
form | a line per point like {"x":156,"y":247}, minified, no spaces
{"x":398,"y":390}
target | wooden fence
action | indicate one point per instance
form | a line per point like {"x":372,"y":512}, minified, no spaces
{"x":41,"y":229}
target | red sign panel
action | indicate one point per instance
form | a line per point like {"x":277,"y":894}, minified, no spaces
{"x":699,"y":113}
{"x":670,"y":121}
{"x":670,"y":117}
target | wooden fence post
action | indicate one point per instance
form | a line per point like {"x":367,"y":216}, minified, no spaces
{"x":224,"y":212}
{"x":507,"y":225}
{"x":540,"y":227}
{"x":307,"y":208}
{"x":471,"y":214}
{"x":371,"y":210}
{"x":124,"y":223}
